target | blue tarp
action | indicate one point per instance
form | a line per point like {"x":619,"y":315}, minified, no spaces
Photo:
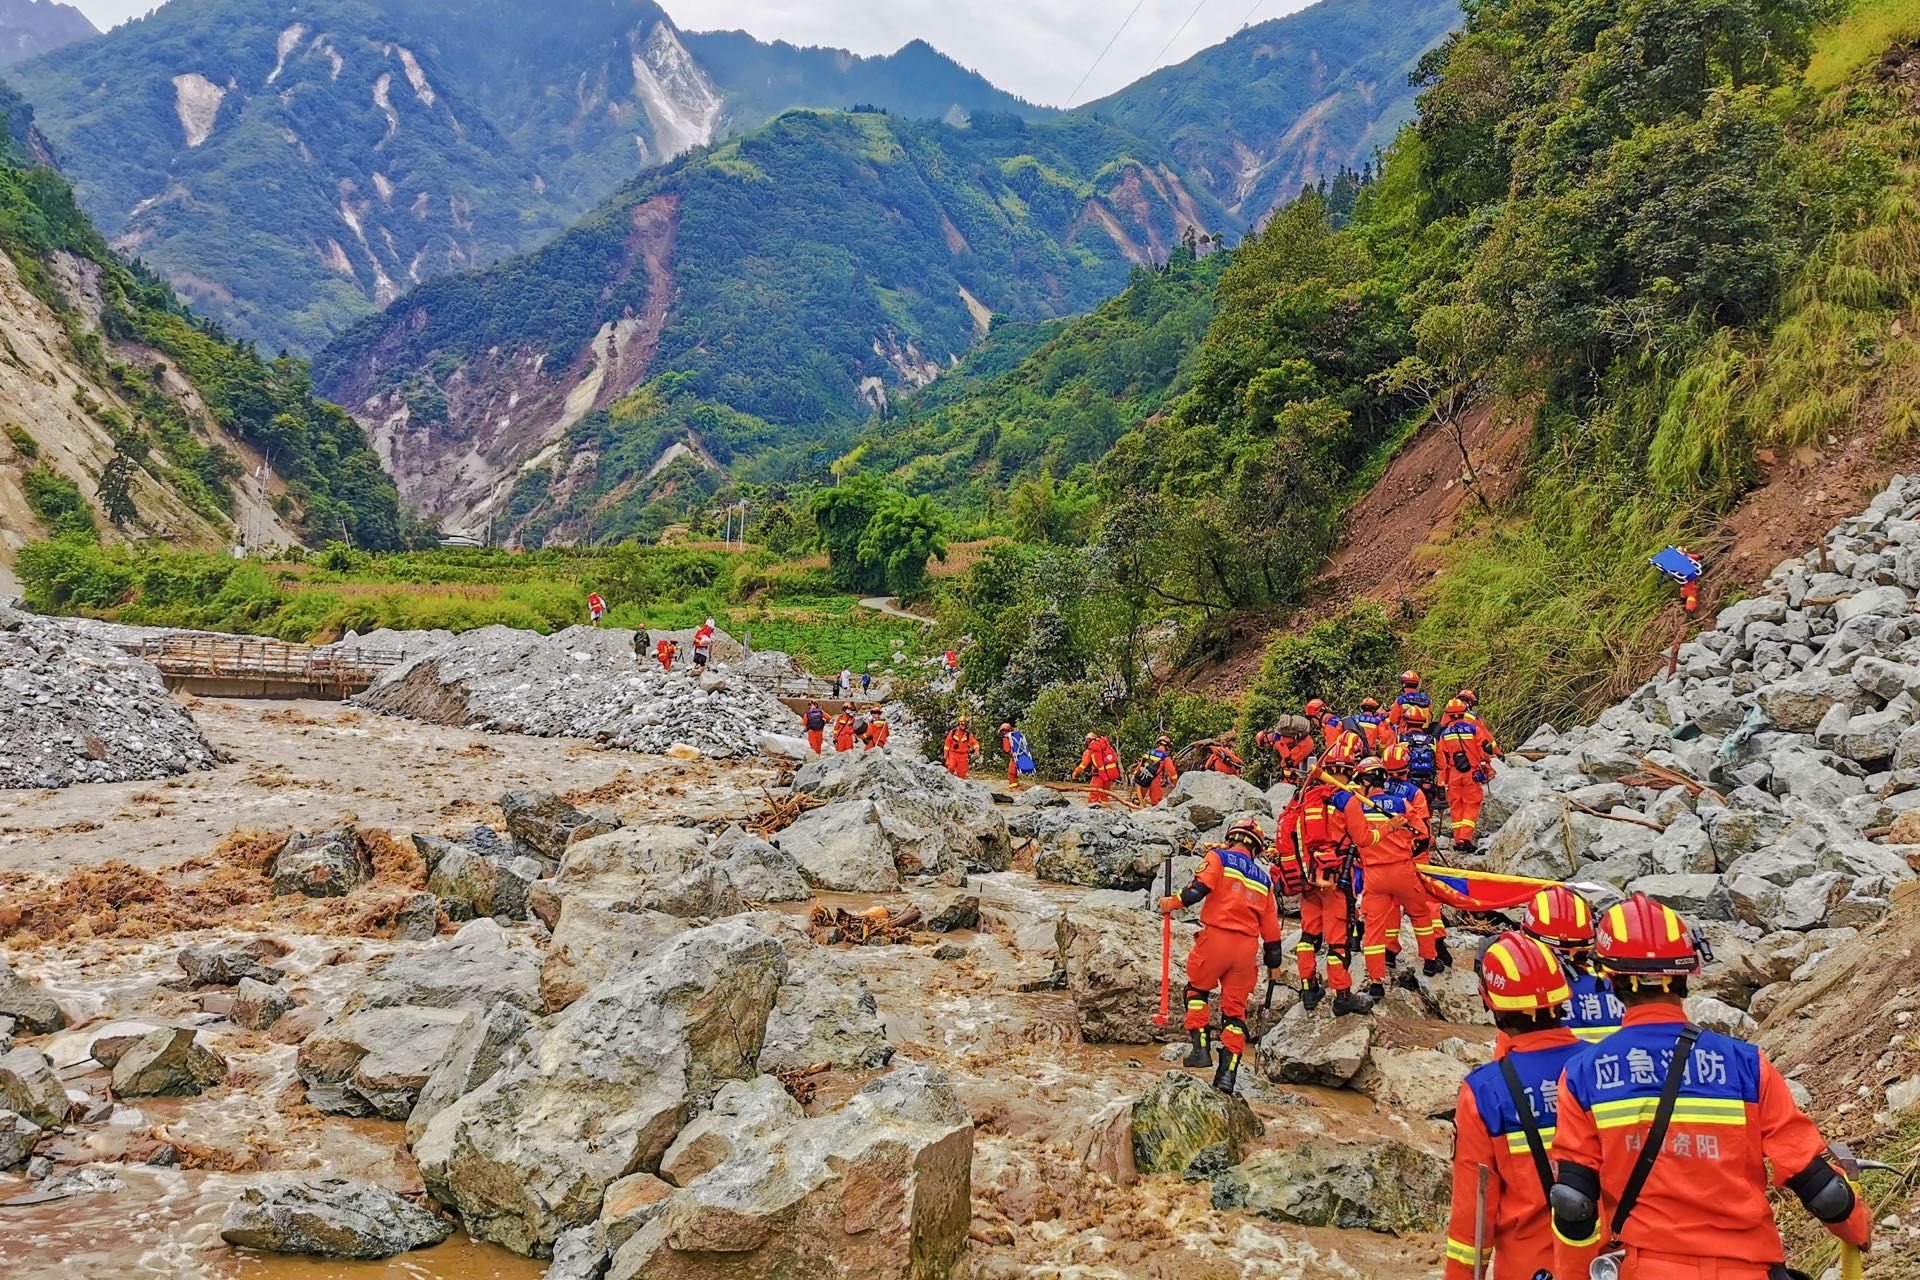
{"x":1676,"y":564}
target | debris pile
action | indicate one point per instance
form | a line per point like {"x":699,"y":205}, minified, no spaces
{"x":1748,"y":789}
{"x":77,"y":709}
{"x":583,"y":682}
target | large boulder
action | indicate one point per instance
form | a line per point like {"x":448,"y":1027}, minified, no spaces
{"x":1209,"y":798}
{"x":1797,"y":703}
{"x":931,"y":820}
{"x":1098,"y":848}
{"x":879,"y":1190}
{"x":374,"y":1062}
{"x":594,"y":943}
{"x":167,"y":1063}
{"x":1111,"y":955}
{"x":329,"y":1217}
{"x":544,"y":826}
{"x":223,"y":966}
{"x":1387,"y":1186}
{"x":624,"y":866}
{"x":29,"y":1004}
{"x":1180,"y":1119}
{"x":1416,"y":1083}
{"x":823,"y":1013}
{"x":532,"y":1151}
{"x":763,"y":873}
{"x":841,"y":848}
{"x":257,"y":1006}
{"x":745,"y":1112}
{"x":698,"y":893}
{"x":1309,"y":1048}
{"x":481,"y":1047}
{"x":472,"y":970}
{"x":29,"y":1087}
{"x":18,"y":1137}
{"x":328,"y":864}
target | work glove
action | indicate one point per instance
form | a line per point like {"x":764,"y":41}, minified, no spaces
{"x":1170,"y":905}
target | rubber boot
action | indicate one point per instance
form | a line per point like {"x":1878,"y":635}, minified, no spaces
{"x":1408,"y":981}
{"x":1350,"y":1001}
{"x":1201,"y":1055}
{"x":1310,"y":993}
{"x":1435,"y":967}
{"x":1375,"y":993}
{"x":1227,"y":1075}
{"x":1442,"y":954}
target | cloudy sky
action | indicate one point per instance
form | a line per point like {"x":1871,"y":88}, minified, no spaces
{"x":1039,"y":49}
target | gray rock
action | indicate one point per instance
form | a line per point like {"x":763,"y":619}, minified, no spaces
{"x":1209,"y":798}
{"x":257,"y":1006}
{"x":18,"y":1137}
{"x":1180,"y":1116}
{"x":1311,"y":1048}
{"x":544,"y":826}
{"x":531,"y":1152}
{"x":1111,"y":958}
{"x":167,"y":1063}
{"x":930,"y":820}
{"x":1684,"y":848}
{"x":823,"y":1013}
{"x":623,"y":865}
{"x":746,"y":1113}
{"x":329,"y":1217}
{"x":375,"y":1061}
{"x":703,"y":892}
{"x":1695,"y":897}
{"x":513,"y":878}
{"x":1099,"y":848}
{"x":111,"y":1042}
{"x":879,"y":1190}
{"x":1797,"y":703}
{"x":1883,"y":602}
{"x":1387,"y":1186}
{"x":948,"y":910}
{"x":327,"y":864}
{"x":223,"y":966}
{"x":29,"y":1004}
{"x":594,"y":943}
{"x":471,"y":970}
{"x":841,"y":848}
{"x":1717,"y":1015}
{"x":460,"y":875}
{"x":763,"y":873}
{"x":418,"y":919}
{"x":480,"y":1048}
{"x":1417,"y":1083}
{"x":29,"y":1088}
{"x":1872,"y":737}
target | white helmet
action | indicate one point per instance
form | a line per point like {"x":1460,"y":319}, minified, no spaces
{"x":709,"y":621}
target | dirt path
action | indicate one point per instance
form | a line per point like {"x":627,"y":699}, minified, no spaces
{"x":890,"y":606}
{"x":313,"y":765}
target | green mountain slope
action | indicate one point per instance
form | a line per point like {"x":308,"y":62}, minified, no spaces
{"x":292,"y":165}
{"x":124,"y":416}
{"x":1286,"y":103}
{"x":31,"y":27}
{"x":797,"y":275}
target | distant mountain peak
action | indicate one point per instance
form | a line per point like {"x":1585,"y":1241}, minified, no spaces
{"x":32,"y":27}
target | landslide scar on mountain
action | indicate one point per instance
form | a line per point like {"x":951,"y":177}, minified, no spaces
{"x":507,"y":407}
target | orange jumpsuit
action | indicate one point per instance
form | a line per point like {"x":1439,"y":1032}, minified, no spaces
{"x":878,"y":731}
{"x":1224,"y":760}
{"x":1463,"y":750}
{"x":1487,"y":1129}
{"x":1375,"y":732}
{"x":664,"y":652}
{"x":1013,"y":761}
{"x":1704,"y":1212}
{"x":1420,"y":816}
{"x":816,"y":729}
{"x":960,"y":746}
{"x":1294,"y":753}
{"x":1323,"y":907}
{"x":1236,"y":916}
{"x":1411,"y":710}
{"x":843,"y":731}
{"x":1332,"y":730}
{"x":1101,"y":763}
{"x":1165,"y":774}
{"x":1391,"y":885}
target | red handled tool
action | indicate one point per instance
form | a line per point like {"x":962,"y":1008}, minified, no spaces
{"x":1161,"y":1019}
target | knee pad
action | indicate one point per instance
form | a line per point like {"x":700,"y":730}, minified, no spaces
{"x":1308,"y":942}
{"x":1826,"y":1194}
{"x":1575,"y":1200}
{"x":1233,"y":1035}
{"x":1196,"y":998}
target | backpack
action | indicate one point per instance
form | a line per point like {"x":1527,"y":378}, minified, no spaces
{"x":1289,"y":858}
{"x":1149,"y":770}
{"x":816,"y":719}
{"x":1316,"y":828}
{"x":1022,"y":757}
{"x":1422,"y":764}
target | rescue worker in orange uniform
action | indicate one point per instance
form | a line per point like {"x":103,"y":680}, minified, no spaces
{"x":1464,"y":750}
{"x":1294,"y":748}
{"x":1013,"y":757}
{"x":816,"y":722}
{"x":878,"y":730}
{"x":1101,"y":763}
{"x":663,"y":653}
{"x":1333,"y":730}
{"x":844,"y":728}
{"x":1223,"y":759}
{"x":1371,"y":724}
{"x":1411,"y":700}
{"x":1239,"y":931}
{"x":1562,"y":919}
{"x":1390,"y":882}
{"x":1702,"y":1212}
{"x":1397,"y":761}
{"x":1522,"y":986}
{"x":1158,"y":768}
{"x":1312,"y":847}
{"x":960,"y":748}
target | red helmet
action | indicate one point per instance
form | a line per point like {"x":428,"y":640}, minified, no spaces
{"x":1316,"y":708}
{"x":1339,"y":756}
{"x":1642,"y":938}
{"x":1519,"y":974}
{"x":1369,"y":704}
{"x":1410,"y":679}
{"x":1092,"y":736}
{"x":1397,"y":759}
{"x":1416,"y":716}
{"x":1005,"y":727}
{"x":1371,"y":766}
{"x":1456,"y":708}
{"x":1469,"y":697}
{"x":1247,"y":834}
{"x":1560,"y":918}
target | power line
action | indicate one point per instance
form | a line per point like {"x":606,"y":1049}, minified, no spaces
{"x":1103,"y":54}
{"x":1175,"y":36}
{"x":1258,"y":5}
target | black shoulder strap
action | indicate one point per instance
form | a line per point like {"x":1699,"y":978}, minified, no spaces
{"x":1534,"y":1143}
{"x":1656,"y":1136}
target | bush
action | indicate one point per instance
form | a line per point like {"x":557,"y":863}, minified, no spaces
{"x":57,"y":504}
{"x":23,"y":442}
{"x":1059,"y":722}
{"x":70,"y":573}
{"x":1341,"y":659}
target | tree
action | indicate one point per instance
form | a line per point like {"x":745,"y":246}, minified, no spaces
{"x":116,"y":486}
{"x":903,"y":534}
{"x":841,"y":515}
